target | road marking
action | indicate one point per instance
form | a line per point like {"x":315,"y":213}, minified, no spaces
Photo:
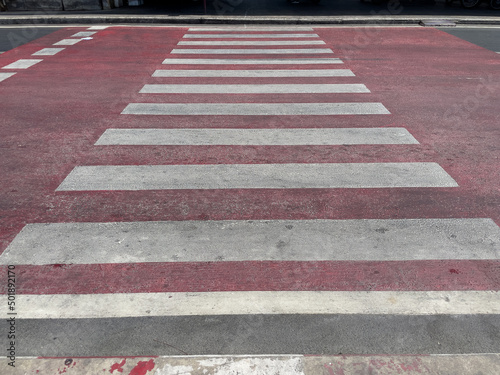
{"x":255,"y":51}
{"x":256,"y":73}
{"x":47,"y":52}
{"x":249,"y":42}
{"x":255,"y":89}
{"x":256,"y":240}
{"x":117,"y":305}
{"x":251,"y":28}
{"x":97,"y":27}
{"x":67,"y":42}
{"x":249,"y":36}
{"x":82,"y":34}
{"x":317,"y":136}
{"x":297,"y":61}
{"x":256,"y":176}
{"x":4,"y":76}
{"x":22,"y":64}
{"x":255,"y":109}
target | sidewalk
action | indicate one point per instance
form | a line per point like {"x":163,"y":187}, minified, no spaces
{"x":327,"y":12}
{"x":272,"y":364}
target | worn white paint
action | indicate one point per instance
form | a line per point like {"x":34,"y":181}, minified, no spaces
{"x":262,"y":73}
{"x":4,"y":76}
{"x":257,"y":176}
{"x":248,"y":36}
{"x":48,"y":51}
{"x":264,"y":137}
{"x":256,"y":240}
{"x":82,"y":34}
{"x":338,"y":88}
{"x":255,"y":109}
{"x":296,"y":61}
{"x":250,"y":51}
{"x":250,"y":42}
{"x":22,"y":64}
{"x":117,"y":305}
{"x":67,"y":42}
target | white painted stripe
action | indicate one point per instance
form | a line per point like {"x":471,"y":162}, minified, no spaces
{"x":47,"y":52}
{"x":4,"y":76}
{"x":255,"y":89}
{"x":82,"y":34}
{"x":249,"y":42}
{"x":249,"y":36}
{"x":254,"y":51}
{"x":22,"y":64}
{"x":256,"y":240}
{"x":67,"y":42}
{"x":255,"y":109}
{"x":118,"y":305}
{"x":316,"y":136}
{"x":297,"y":61}
{"x":256,"y":176}
{"x":256,"y":73}
{"x":97,"y":27}
{"x":250,"y":28}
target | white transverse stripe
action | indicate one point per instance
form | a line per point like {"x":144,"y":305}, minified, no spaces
{"x":246,"y":51}
{"x":252,"y":61}
{"x":255,"y":89}
{"x":97,"y":27}
{"x":22,"y":64}
{"x":249,"y":42}
{"x":317,"y":136}
{"x":47,"y":52}
{"x":256,"y":176}
{"x":269,"y":73}
{"x":250,"y":28}
{"x":4,"y":76}
{"x":249,"y":36}
{"x":255,"y":109}
{"x":82,"y":34}
{"x":67,"y":42}
{"x":256,"y":240}
{"x":117,"y":305}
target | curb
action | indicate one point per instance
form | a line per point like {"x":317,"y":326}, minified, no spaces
{"x":51,"y":19}
{"x":464,"y":364}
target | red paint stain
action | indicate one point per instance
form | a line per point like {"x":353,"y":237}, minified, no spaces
{"x":117,"y":366}
{"x":143,"y":367}
{"x":452,"y":270}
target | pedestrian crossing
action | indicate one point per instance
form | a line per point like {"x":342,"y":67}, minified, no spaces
{"x":308,"y":269}
{"x":261,"y":137}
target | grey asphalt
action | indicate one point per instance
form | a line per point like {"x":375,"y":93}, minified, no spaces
{"x":258,"y":334}
{"x":12,"y":37}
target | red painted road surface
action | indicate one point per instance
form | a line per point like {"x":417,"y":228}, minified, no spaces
{"x":442,"y":89}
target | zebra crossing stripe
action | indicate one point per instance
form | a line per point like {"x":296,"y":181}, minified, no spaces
{"x":83,"y":34}
{"x":4,"y":76}
{"x":258,"y":240}
{"x":256,"y":176}
{"x":297,"y":61}
{"x":67,"y":42}
{"x":255,"y":89}
{"x":119,"y":305}
{"x":250,"y":28}
{"x":250,"y":51}
{"x":315,"y":136}
{"x":255,"y":73}
{"x":250,"y":43}
{"x":47,"y":52}
{"x":249,"y":36}
{"x":22,"y":64}
{"x":255,"y":109}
